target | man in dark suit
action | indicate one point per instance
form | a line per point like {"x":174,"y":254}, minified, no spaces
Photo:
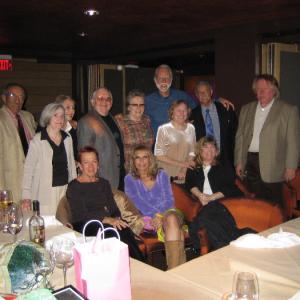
{"x":99,"y":129}
{"x":267,"y":141}
{"x":211,"y":118}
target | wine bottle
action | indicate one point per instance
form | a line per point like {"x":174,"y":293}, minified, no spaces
{"x":36,"y":225}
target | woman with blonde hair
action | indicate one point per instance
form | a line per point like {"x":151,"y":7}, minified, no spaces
{"x":175,"y":141}
{"x":150,"y":190}
{"x":210,"y":180}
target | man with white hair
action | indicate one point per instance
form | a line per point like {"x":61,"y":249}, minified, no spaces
{"x":17,"y":128}
{"x":99,"y":130}
{"x":267,"y":142}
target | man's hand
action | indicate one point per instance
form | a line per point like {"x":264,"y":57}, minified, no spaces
{"x":289,"y":174}
{"x":226,"y":103}
{"x":26,"y":205}
{"x":239,"y":171}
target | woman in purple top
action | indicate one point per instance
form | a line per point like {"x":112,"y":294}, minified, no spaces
{"x":150,"y":190}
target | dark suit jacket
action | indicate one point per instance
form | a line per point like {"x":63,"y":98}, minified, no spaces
{"x":228,"y":126}
{"x":221,"y":179}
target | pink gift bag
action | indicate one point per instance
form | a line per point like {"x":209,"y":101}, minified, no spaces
{"x":102,"y":268}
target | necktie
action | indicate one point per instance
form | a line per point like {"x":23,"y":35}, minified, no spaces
{"x":209,"y":124}
{"x":22,"y":135}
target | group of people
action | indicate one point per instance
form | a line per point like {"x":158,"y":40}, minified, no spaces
{"x":163,"y":135}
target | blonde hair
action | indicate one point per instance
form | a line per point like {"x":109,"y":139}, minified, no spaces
{"x":199,"y":146}
{"x":153,"y":168}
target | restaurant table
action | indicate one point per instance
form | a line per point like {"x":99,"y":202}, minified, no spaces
{"x":147,"y":283}
{"x":278,"y":270}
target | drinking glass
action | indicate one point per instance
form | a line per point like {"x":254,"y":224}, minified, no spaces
{"x":63,"y":254}
{"x":15,"y":220}
{"x":6,"y":200}
{"x":45,"y":267}
{"x":245,"y":286}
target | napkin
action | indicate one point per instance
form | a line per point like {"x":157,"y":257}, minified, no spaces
{"x":296,"y":296}
{"x":279,"y":239}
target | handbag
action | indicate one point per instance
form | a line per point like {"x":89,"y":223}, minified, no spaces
{"x":102,"y":267}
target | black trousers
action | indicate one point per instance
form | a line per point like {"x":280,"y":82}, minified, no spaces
{"x":255,"y":184}
{"x":126,"y":236}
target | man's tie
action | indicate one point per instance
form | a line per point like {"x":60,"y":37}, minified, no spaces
{"x":22,"y":135}
{"x":209,"y":124}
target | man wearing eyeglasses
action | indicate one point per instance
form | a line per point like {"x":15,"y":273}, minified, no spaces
{"x":17,"y":127}
{"x":99,"y":129}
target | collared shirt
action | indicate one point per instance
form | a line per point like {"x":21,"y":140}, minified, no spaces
{"x":15,"y":120}
{"x":215,"y":120}
{"x":261,"y":115}
{"x":60,"y":173}
{"x":206,"y":185}
{"x":157,"y":106}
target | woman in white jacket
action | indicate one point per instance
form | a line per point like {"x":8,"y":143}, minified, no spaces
{"x":49,"y":164}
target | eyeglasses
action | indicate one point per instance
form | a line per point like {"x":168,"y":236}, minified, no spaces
{"x":102,"y":99}
{"x":13,"y":95}
{"x":137,"y":105}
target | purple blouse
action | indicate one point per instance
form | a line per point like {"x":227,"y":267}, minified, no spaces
{"x":156,"y":200}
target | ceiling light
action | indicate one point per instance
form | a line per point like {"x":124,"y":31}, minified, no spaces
{"x":91,"y":12}
{"x":83,"y":34}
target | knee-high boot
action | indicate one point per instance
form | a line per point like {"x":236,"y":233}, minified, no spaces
{"x":175,"y":253}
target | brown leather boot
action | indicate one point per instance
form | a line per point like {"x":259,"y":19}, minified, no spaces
{"x":175,"y":253}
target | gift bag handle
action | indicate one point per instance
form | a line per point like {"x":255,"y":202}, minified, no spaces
{"x":88,"y":223}
{"x":101,"y":235}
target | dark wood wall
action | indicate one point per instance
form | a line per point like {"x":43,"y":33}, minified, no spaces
{"x":43,"y":81}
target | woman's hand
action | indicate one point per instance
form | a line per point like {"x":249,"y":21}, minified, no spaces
{"x":204,"y":198}
{"x":157,"y":221}
{"x":117,"y":223}
{"x":26,"y":205}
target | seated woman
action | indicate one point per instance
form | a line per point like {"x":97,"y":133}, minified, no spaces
{"x":150,"y":190}
{"x":209,"y":180}
{"x":90,"y":197}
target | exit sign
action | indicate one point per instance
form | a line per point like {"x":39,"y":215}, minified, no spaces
{"x":5,"y":63}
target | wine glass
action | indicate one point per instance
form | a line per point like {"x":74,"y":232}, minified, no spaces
{"x":245,"y":286}
{"x":63,"y":254}
{"x":6,"y":200}
{"x":14,"y":220}
{"x":44,"y":267}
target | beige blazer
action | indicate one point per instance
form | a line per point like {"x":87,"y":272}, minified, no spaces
{"x":11,"y":152}
{"x":279,"y":140}
{"x":37,"y":180}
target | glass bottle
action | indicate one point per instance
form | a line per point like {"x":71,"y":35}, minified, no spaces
{"x":36,"y":225}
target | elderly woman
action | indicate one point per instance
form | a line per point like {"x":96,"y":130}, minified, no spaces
{"x":174,"y":146}
{"x":70,"y":126}
{"x":150,"y":190}
{"x":90,"y":197}
{"x":209,"y":180}
{"x":135,"y":126}
{"x":49,"y":164}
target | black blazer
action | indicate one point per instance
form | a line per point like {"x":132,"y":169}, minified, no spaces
{"x":221,"y":179}
{"x":228,"y":126}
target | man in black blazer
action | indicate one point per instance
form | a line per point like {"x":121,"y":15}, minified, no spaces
{"x":212,"y":118}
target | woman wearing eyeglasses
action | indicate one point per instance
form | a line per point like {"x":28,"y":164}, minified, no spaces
{"x":135,"y":126}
